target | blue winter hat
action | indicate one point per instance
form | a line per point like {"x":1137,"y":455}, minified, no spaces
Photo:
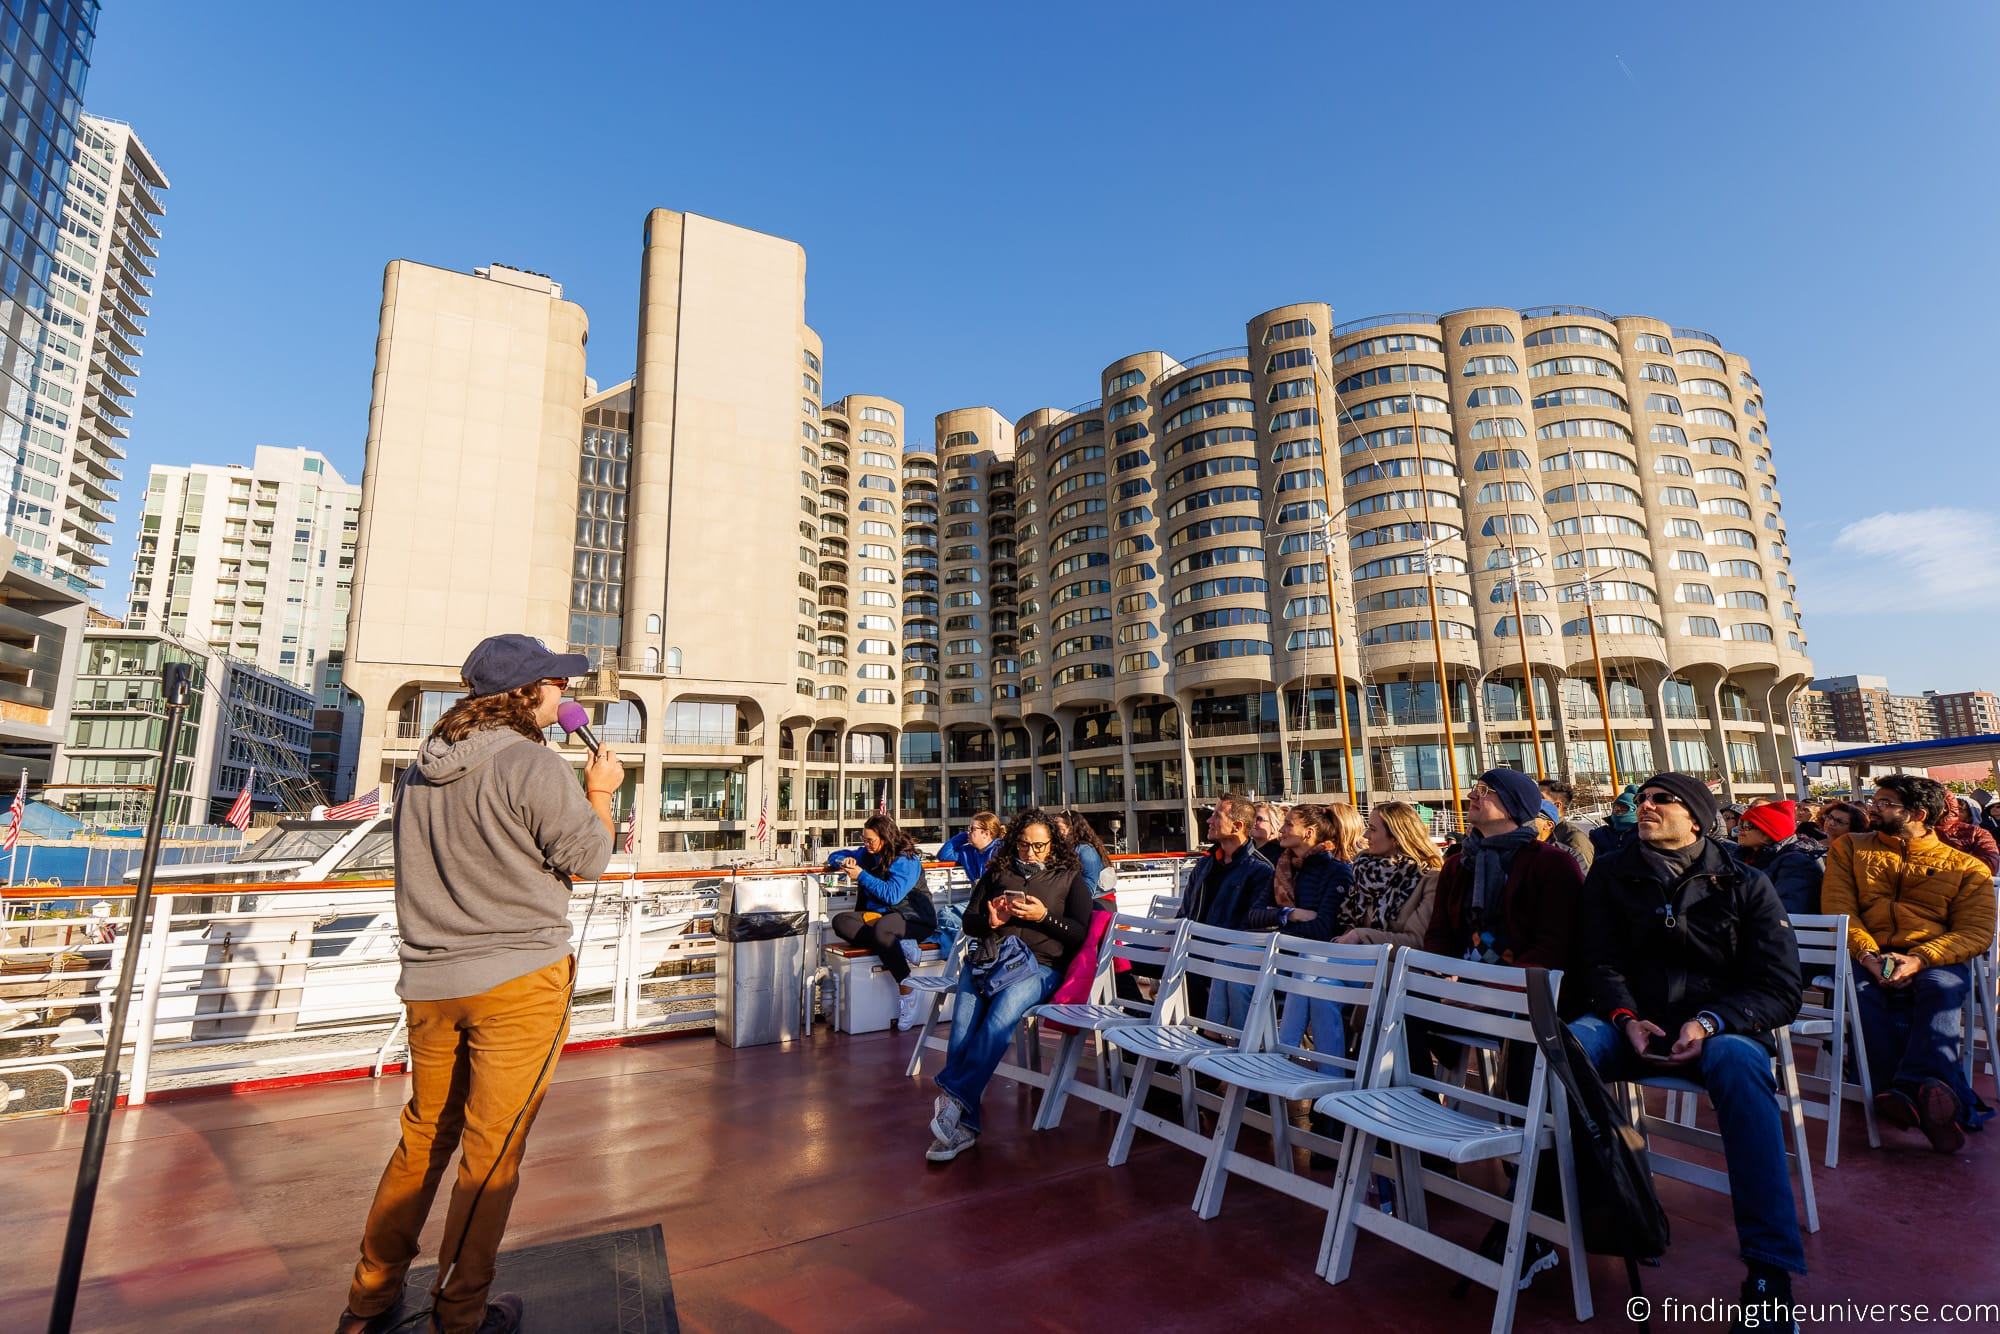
{"x":1519,"y":795}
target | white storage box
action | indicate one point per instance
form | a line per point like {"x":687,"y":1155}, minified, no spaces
{"x":866,"y":993}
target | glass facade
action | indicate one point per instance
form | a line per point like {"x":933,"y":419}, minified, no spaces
{"x":597,"y":580}
{"x":44,"y":59}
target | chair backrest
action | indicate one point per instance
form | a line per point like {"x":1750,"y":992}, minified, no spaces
{"x":1822,"y":940}
{"x":1354,"y":975}
{"x":1164,"y":907}
{"x":1144,"y":942}
{"x":1455,"y":998}
{"x":1224,"y":957}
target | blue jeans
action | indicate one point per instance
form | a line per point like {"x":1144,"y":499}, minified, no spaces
{"x":1914,"y":1033}
{"x":1737,"y":1073}
{"x":982,"y":1028}
{"x":1326,"y":1019}
{"x":1229,"y":1003}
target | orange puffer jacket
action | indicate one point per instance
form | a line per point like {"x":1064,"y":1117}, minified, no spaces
{"x":1914,"y":896}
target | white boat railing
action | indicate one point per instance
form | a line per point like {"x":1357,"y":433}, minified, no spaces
{"x":246,"y":984}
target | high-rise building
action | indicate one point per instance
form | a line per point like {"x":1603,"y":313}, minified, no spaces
{"x":1865,"y":709}
{"x":1812,"y":717}
{"x":46,"y":46}
{"x":1965,"y":712}
{"x":41,"y":636}
{"x":100,"y":285}
{"x":257,"y":561}
{"x":1126,"y":605}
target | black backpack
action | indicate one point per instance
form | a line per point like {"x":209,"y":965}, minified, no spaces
{"x":1614,"y":1183}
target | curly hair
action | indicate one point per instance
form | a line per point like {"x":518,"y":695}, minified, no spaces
{"x":1062,"y":852}
{"x":895,"y":843}
{"x":513,"y":709}
{"x":1923,"y":797}
{"x":1080,"y":830}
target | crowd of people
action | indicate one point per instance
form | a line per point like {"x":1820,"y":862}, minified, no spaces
{"x":1670,"y":920}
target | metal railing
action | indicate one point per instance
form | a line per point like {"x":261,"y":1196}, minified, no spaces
{"x":237,"y":984}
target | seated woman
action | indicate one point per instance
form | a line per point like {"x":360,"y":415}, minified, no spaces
{"x":971,"y":848}
{"x":1395,"y":881}
{"x":1091,"y":855}
{"x":1314,"y":876}
{"x":1028,"y":915}
{"x":893,"y":913}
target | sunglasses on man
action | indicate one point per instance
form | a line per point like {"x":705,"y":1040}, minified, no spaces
{"x":1659,"y":799}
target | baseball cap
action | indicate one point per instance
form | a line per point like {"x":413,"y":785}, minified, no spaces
{"x":506,"y":662}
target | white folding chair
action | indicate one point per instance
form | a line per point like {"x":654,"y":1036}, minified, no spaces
{"x":1147,"y":941}
{"x":1834,"y":1029}
{"x":1351,"y":975}
{"x":934,"y":988}
{"x":1415,"y":1114}
{"x":1981,"y":1020}
{"x":1791,"y":1106}
{"x":1164,"y":909}
{"x":1177,"y":1036}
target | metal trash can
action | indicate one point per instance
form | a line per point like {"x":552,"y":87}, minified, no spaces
{"x":760,"y":935}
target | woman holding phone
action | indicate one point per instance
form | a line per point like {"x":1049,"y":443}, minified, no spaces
{"x":1028,"y":915}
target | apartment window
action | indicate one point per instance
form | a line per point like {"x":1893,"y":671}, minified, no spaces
{"x":1703,"y":627}
{"x":1501,"y":365}
{"x":1480,"y":334}
{"x":1579,"y":398}
{"x":1570,"y":333}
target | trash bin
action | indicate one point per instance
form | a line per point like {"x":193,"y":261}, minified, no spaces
{"x":760,"y":935}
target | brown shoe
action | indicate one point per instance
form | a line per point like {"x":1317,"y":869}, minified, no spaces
{"x":1937,"y":1117}
{"x":351,"y":1323}
{"x":1894,"y":1108}
{"x":503,"y":1315}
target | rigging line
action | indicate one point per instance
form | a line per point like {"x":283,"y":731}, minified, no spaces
{"x":1430,"y":586}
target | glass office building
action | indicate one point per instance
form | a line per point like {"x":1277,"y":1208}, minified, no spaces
{"x":44,"y":58}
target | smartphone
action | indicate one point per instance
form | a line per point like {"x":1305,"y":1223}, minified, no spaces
{"x":1889,"y":963}
{"x":1017,"y":895}
{"x":1659,"y":1047}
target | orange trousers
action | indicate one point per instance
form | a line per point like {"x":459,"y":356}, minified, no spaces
{"x":476,"y":1063}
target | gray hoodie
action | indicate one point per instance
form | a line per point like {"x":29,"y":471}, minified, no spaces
{"x":489,"y":833}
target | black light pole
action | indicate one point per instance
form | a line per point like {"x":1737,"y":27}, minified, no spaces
{"x":175,"y":678}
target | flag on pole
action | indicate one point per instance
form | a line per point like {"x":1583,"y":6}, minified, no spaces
{"x":882,"y":798}
{"x":239,"y":809}
{"x":632,"y":833}
{"x":20,"y":808}
{"x":361,"y":808}
{"x":764,"y":819}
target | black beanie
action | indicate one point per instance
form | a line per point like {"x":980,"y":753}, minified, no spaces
{"x":1518,"y":793}
{"x":1694,"y":794}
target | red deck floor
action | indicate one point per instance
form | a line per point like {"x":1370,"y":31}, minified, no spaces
{"x":794,"y":1195}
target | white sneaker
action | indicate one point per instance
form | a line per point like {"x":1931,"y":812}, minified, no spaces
{"x":945,"y":1116}
{"x":908,"y":1015}
{"x":913,"y":950}
{"x":949,"y":1147}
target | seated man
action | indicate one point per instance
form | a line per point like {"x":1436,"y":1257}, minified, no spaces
{"x":1690,"y":966}
{"x":1918,"y":913}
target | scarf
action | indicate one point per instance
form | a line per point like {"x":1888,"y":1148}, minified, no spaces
{"x":1285,"y":871}
{"x":1668,"y":866}
{"x":1486,"y":915}
{"x":1382,"y":886}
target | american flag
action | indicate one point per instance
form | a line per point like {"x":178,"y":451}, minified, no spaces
{"x":632,"y":834}
{"x":882,"y":799}
{"x":239,"y":809}
{"x":764,"y":819}
{"x":358,"y":809}
{"x":13,"y":838}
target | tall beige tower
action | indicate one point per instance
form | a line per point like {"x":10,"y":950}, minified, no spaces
{"x":468,"y":493}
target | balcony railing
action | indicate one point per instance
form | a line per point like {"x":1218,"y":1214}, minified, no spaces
{"x":743,"y":736}
{"x":1200,"y":731}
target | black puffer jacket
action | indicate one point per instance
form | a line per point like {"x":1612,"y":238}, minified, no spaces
{"x":1715,"y":940}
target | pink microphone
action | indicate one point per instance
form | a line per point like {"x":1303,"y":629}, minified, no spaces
{"x":574,"y":719}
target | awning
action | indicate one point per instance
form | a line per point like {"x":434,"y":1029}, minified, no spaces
{"x":1904,"y":755}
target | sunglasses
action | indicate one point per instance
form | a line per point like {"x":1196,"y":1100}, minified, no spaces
{"x":1659,"y":799}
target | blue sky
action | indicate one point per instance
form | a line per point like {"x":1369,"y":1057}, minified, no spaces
{"x":996,"y":201}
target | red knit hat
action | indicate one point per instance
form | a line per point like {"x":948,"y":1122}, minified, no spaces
{"x":1777,"y":820}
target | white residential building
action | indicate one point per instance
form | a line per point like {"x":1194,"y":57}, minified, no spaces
{"x":257,"y":561}
{"x":62,"y":488}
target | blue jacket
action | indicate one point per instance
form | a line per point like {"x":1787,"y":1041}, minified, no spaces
{"x":881,"y":888}
{"x":958,"y":850}
{"x":1608,"y":838}
{"x":1091,"y":862}
{"x":1321,"y":882}
{"x":1222,"y":893}
{"x":1792,"y":869}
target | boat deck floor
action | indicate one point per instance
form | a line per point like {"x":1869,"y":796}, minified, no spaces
{"x":794,"y":1195}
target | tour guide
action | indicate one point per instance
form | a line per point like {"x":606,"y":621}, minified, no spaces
{"x":490,"y":828}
